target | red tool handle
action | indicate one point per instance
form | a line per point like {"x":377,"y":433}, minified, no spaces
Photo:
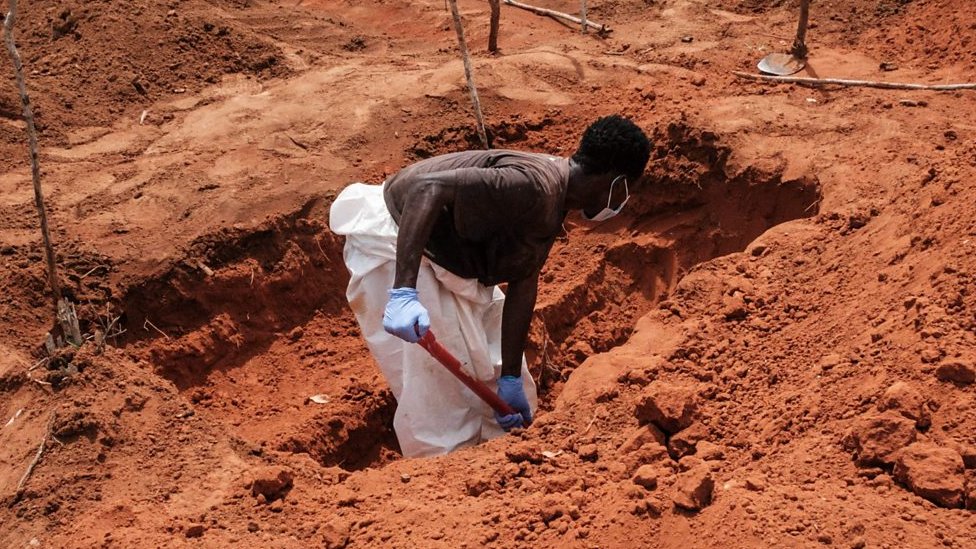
{"x":436,"y":350}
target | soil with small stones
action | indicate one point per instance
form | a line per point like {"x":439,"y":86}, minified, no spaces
{"x":773,"y":346}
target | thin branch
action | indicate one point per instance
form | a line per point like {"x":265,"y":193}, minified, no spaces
{"x":40,"y":382}
{"x":468,"y":72}
{"x":596,"y":412}
{"x":8,"y":35}
{"x":108,"y":330}
{"x":37,"y":456}
{"x":148,"y":322}
{"x":317,"y":243}
{"x":861,"y":83}
{"x":93,"y":269}
{"x":559,"y":15}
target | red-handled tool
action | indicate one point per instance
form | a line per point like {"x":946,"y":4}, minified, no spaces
{"x":436,"y":350}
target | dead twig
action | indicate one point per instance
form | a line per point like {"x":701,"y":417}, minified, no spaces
{"x":108,"y":333}
{"x":815,"y":203}
{"x":317,"y":243}
{"x":206,"y":270}
{"x":42,"y":383}
{"x":52,"y":273}
{"x":853,"y":83}
{"x":469,"y":73}
{"x":93,"y":269}
{"x":601,"y":28}
{"x":39,"y":363}
{"x":153,"y":326}
{"x":33,"y":463}
{"x":592,"y":420}
{"x":546,"y":359}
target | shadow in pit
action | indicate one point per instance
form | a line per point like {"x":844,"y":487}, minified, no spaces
{"x":235,"y":294}
{"x":692,"y":206}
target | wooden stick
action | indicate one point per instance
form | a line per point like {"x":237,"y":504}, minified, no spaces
{"x":37,"y":457}
{"x":583,"y":16}
{"x":559,"y":15}
{"x":862,"y":83}
{"x":496,"y":9}
{"x":469,"y":73}
{"x":8,"y":35}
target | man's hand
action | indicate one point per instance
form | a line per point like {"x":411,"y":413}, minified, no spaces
{"x":511,"y":390}
{"x":405,"y":317}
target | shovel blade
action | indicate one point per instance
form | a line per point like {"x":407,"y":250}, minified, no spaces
{"x":781,"y":64}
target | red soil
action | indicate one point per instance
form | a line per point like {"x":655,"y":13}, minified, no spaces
{"x":774,"y":347}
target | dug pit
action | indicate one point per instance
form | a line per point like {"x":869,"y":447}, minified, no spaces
{"x":253,"y":327}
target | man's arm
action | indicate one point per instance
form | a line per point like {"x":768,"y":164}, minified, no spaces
{"x":516,"y":318}
{"x":422,"y":203}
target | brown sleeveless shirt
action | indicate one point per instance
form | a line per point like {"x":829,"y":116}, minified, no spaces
{"x":508,"y":210}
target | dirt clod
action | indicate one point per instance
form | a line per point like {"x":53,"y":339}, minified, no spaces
{"x":271,"y":482}
{"x":957,"y":371}
{"x":685,"y":442}
{"x":588,"y":452}
{"x":908,"y":401}
{"x":693,"y":491}
{"x":756,"y":483}
{"x":646,"y":476}
{"x":874,"y":439}
{"x":670,"y":407}
{"x":524,"y":452}
{"x":933,"y":473}
{"x":709,"y":451}
{"x":644,"y":435}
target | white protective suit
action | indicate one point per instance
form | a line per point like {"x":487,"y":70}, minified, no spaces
{"x":435,"y":412}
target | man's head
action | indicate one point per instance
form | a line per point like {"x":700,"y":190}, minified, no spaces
{"x":613,"y":145}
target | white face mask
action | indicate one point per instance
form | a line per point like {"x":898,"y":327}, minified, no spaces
{"x":608,"y":212}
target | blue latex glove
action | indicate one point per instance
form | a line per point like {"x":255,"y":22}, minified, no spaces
{"x":511,"y":390}
{"x":405,"y":317}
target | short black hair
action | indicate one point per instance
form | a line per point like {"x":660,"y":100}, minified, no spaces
{"x":613,"y":144}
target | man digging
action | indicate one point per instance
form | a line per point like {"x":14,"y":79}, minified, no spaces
{"x":426,"y":251}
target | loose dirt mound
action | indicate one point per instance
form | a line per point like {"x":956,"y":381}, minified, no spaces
{"x":90,"y":62}
{"x":772,"y":347}
{"x":932,"y":34}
